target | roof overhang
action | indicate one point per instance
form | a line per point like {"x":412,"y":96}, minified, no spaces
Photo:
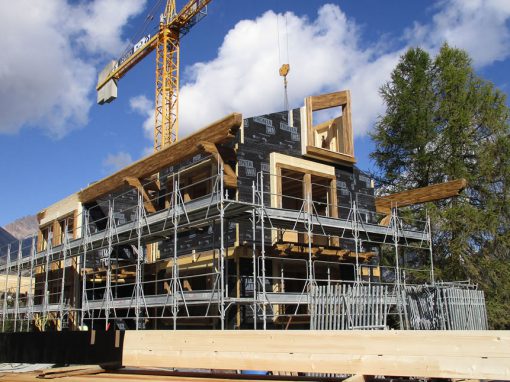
{"x":218,"y":132}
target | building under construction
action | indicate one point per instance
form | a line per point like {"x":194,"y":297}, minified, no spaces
{"x":263,"y":222}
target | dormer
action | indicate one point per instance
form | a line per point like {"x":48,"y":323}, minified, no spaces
{"x":330,"y":140}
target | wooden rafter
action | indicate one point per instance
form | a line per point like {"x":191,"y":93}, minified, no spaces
{"x":230,"y":176}
{"x":420,"y":195}
{"x":147,"y":201}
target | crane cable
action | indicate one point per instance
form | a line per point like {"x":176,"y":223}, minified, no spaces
{"x":141,"y":31}
{"x":284,"y":68}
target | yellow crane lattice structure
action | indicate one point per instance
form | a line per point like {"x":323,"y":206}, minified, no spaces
{"x":166,"y":42}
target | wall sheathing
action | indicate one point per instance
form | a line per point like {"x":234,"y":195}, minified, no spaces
{"x":275,"y":133}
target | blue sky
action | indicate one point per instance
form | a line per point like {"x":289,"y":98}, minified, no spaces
{"x":54,"y":139}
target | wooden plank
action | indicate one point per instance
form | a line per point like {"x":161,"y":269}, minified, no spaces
{"x":328,"y":100}
{"x":431,"y":193}
{"x":39,"y":240}
{"x":218,"y":132}
{"x":333,"y":209}
{"x":310,"y":139}
{"x":62,"y":372}
{"x":437,"y":354}
{"x":302,"y":170}
{"x":355,"y":378}
{"x":59,"y":209}
{"x":329,"y":156}
{"x":76,"y":225}
{"x":348,"y":138}
{"x":153,"y":376}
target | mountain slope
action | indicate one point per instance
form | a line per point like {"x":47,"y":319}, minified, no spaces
{"x":5,"y":237}
{"x":23,"y":227}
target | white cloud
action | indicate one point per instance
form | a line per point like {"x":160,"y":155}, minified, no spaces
{"x":49,"y":57}
{"x":114,"y":162}
{"x":478,"y":26}
{"x":324,"y":56}
{"x":144,"y":107}
{"x":51,"y":52}
{"x":99,"y":24}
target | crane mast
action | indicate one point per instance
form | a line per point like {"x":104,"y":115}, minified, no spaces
{"x":166,"y":42}
{"x":166,"y":123}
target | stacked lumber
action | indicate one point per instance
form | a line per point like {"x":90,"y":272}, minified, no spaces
{"x":434,"y":354}
{"x":293,"y":354}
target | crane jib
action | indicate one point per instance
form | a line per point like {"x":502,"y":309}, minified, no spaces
{"x":172,"y":27}
{"x":144,"y":40}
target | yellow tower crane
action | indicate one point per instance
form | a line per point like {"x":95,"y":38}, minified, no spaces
{"x":172,"y":27}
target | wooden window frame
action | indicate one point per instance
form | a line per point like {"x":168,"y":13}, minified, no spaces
{"x":313,"y":149}
{"x":308,"y":169}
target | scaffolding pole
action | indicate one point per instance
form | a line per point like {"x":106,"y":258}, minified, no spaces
{"x":222,"y":251}
{"x":63,"y":281}
{"x":254,"y":256}
{"x":49,"y":253}
{"x":263,"y":252}
{"x":7,"y":268}
{"x":431,"y":254}
{"x":31,"y":291}
{"x":355,"y":234}
{"x":175,"y":270}
{"x":18,"y":285}
{"x":85,"y":246}
{"x":140,"y":259}
{"x":108,"y":296}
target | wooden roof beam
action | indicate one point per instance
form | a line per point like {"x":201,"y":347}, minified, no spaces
{"x":218,"y":132}
{"x":431,"y":193}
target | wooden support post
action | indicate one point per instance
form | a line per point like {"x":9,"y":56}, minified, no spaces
{"x":39,"y":240}
{"x":238,"y":287}
{"x":276,"y":285}
{"x":307,"y":199}
{"x":135,"y":183}
{"x":56,"y":233}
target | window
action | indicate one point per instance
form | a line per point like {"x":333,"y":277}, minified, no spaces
{"x":293,"y":182}
{"x":43,"y":239}
{"x":69,"y":222}
{"x":327,"y":128}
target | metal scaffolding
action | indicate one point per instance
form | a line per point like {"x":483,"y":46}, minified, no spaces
{"x":118,"y":285}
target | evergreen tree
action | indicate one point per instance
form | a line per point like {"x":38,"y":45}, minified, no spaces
{"x":444,"y":122}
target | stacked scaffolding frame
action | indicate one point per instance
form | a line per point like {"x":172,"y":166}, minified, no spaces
{"x":281,"y":297}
